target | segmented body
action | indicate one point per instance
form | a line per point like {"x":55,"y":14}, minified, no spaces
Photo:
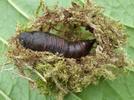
{"x":44,"y":41}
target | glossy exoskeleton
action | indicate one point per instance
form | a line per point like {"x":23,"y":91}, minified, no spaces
{"x":44,"y":41}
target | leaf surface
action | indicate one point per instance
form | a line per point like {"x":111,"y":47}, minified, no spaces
{"x":120,"y":10}
{"x":13,"y":87}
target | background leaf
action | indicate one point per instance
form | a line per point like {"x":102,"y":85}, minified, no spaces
{"x":119,"y":89}
{"x":9,"y":18}
{"x":16,"y":88}
{"x":120,"y":10}
{"x":24,"y":7}
{"x":130,"y":43}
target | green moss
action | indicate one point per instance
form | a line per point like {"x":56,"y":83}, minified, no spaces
{"x":62,"y":75}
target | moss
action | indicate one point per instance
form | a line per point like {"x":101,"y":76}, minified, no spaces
{"x":66,"y":74}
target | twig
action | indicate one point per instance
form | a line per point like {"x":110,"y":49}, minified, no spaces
{"x":59,"y":86}
{"x":35,"y":71}
{"x":24,"y":77}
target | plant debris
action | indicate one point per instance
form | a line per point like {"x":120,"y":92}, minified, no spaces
{"x":75,"y":23}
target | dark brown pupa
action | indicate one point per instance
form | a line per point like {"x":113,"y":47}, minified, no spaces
{"x":44,"y":41}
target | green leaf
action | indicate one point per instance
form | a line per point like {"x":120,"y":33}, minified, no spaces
{"x":24,"y":7}
{"x":9,"y":18}
{"x":72,"y":96}
{"x":3,"y":49}
{"x":130,"y":32}
{"x":130,"y":43}
{"x":60,"y":3}
{"x":120,"y":10}
{"x":16,"y":88}
{"x":64,"y":3}
{"x":120,"y":89}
